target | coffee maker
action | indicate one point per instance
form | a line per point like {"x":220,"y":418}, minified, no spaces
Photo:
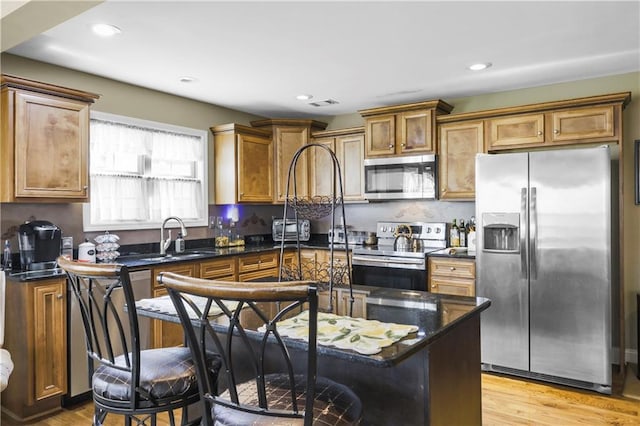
{"x":39,"y":243}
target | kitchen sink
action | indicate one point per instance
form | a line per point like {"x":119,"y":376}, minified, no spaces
{"x":156,"y":257}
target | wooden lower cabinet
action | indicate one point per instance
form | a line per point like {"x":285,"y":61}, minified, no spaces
{"x":259,"y":265}
{"x":452,"y":276}
{"x":36,"y":338}
{"x":165,"y":334}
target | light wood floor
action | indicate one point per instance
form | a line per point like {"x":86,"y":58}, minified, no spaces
{"x":505,"y":401}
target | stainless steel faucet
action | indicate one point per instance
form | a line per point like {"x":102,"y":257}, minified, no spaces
{"x":164,"y":244}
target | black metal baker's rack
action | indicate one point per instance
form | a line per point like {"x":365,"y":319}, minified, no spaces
{"x":314,"y":208}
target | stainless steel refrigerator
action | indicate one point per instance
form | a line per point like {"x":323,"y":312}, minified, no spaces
{"x":544,"y":258}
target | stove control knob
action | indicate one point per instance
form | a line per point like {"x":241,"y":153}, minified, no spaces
{"x":438,"y":230}
{"x":428,"y":230}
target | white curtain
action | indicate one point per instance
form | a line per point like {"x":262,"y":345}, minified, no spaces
{"x":144,"y":174}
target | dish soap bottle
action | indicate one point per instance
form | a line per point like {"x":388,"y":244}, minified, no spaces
{"x":179,"y":243}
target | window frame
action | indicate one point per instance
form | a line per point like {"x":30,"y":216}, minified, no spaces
{"x":153,"y":125}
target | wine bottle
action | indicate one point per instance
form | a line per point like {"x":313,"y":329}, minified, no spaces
{"x":454,"y":235}
{"x":463,"y":234}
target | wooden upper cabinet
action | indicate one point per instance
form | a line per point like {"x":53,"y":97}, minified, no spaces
{"x":243,"y":158}
{"x":407,"y":129}
{"x":380,"y":136}
{"x":583,"y":123}
{"x":459,"y":144}
{"x":289,"y":135}
{"x":322,"y":181}
{"x":596,"y":119}
{"x":45,"y":142}
{"x":348,"y":146}
{"x":518,"y":131}
{"x":415,"y":132}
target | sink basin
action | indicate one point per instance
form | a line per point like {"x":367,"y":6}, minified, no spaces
{"x":191,"y":254}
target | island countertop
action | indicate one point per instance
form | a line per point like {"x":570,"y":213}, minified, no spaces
{"x":435,"y":315}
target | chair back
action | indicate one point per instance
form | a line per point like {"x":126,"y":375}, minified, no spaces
{"x":112,"y":334}
{"x":252,"y":360}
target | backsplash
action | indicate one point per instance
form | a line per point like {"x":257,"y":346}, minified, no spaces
{"x":253,"y":219}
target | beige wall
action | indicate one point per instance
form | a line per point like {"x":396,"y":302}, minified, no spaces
{"x":124,"y":99}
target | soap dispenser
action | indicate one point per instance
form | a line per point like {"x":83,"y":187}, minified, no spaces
{"x":179,"y":243}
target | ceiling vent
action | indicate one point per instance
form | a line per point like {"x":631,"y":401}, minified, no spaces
{"x":326,"y":102}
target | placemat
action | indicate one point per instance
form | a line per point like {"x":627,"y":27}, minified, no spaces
{"x":163,"y":304}
{"x":364,"y":336}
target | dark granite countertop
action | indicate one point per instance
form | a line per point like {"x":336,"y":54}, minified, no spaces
{"x":454,"y":252}
{"x":432,"y":313}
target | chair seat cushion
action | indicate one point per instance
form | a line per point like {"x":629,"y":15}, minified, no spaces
{"x":335,"y":404}
{"x":164,"y":373}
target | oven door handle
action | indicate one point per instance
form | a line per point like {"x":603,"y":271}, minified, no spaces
{"x":381,"y":259}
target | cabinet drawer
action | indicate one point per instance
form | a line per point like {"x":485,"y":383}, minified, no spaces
{"x":265,"y":273}
{"x":187,"y":269}
{"x":456,"y":268}
{"x":454,"y":286}
{"x":257,"y":262}
{"x":218,"y":268}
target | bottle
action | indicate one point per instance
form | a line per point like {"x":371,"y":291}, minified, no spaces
{"x":471,"y":236}
{"x":6,"y":256}
{"x":463,"y":234}
{"x":454,"y":235}
{"x":179,"y":243}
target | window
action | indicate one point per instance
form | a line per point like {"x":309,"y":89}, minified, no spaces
{"x":142,"y":172}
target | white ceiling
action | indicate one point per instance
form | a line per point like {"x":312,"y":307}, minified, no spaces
{"x":257,"y":56}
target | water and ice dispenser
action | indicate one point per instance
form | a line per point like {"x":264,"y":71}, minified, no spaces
{"x":501,"y":232}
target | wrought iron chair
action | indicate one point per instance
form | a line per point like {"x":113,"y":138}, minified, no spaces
{"x":128,"y":381}
{"x":263,"y":379}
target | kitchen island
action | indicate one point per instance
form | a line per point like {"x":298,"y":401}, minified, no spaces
{"x":431,"y":376}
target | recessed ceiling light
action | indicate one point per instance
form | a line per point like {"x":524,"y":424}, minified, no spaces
{"x":480,"y":66}
{"x":106,"y":30}
{"x":187,"y":79}
{"x":304,"y":97}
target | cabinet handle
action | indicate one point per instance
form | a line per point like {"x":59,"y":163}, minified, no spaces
{"x":403,"y":145}
{"x":556,"y":131}
{"x":539,"y":133}
{"x":59,"y":296}
{"x":434,"y":286}
{"x":453,"y":268}
{"x":390,"y":146}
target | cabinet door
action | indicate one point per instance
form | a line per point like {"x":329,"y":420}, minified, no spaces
{"x":322,"y":180}
{"x":350,"y":153}
{"x":51,"y":137}
{"x":516,"y":131}
{"x":288,"y":141}
{"x":583,"y":123}
{"x":255,"y":169}
{"x":380,"y":136}
{"x":415,"y":132}
{"x":50,"y":342}
{"x":359,"y":309}
{"x":165,"y":334}
{"x":459,"y":144}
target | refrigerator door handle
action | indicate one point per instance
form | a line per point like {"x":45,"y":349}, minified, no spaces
{"x":533,"y":236}
{"x":523,"y":237}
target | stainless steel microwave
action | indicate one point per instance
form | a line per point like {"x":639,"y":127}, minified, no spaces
{"x":396,"y":178}
{"x":289,"y":230}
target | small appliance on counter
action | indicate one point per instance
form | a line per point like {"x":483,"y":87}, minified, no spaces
{"x":338,"y":235}
{"x":289,"y":230}
{"x":39,"y":243}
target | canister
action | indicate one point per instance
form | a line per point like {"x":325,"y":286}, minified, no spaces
{"x":87,"y":252}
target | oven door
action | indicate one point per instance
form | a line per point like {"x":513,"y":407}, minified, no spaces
{"x":390,"y":277}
